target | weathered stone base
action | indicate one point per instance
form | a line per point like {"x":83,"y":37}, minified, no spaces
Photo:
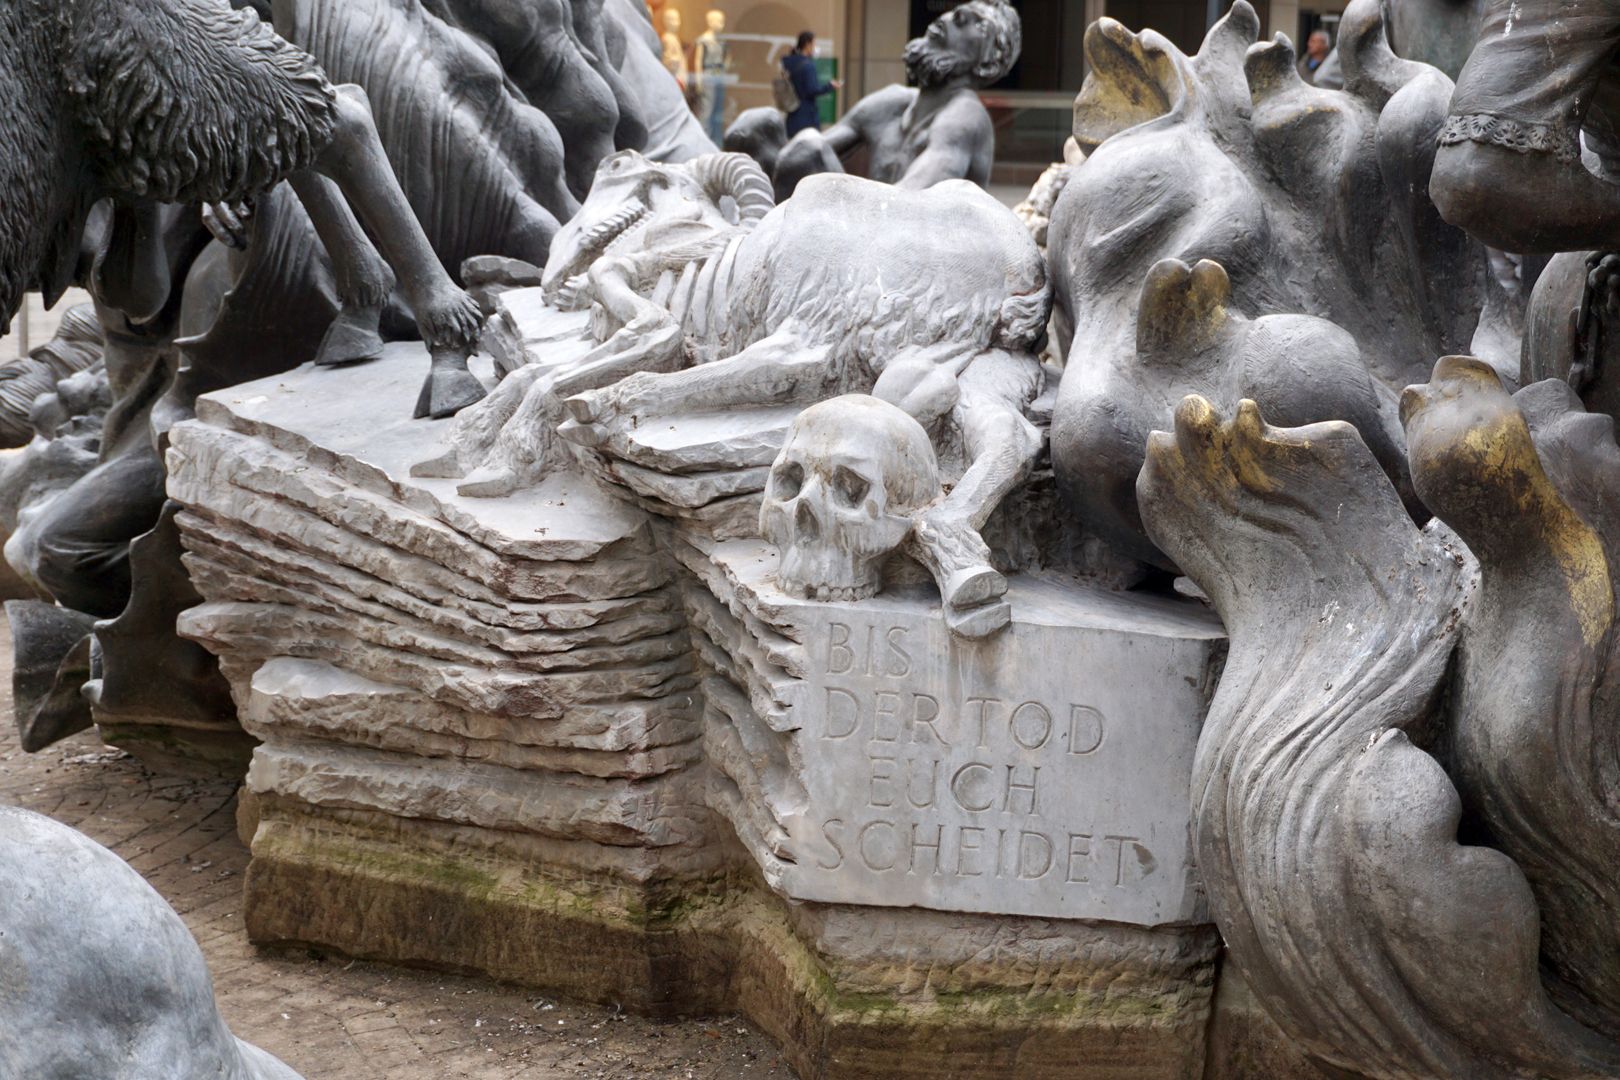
{"x":839,"y":988}
{"x":1246,"y":1043}
{"x":552,"y":738}
{"x":223,"y":751}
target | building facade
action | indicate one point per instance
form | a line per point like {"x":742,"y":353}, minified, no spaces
{"x":865,"y":40}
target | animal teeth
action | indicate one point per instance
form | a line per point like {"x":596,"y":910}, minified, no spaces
{"x":846,"y":594}
{"x":614,"y":225}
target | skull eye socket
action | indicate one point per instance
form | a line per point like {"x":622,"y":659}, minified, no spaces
{"x":850,"y":487}
{"x":788,"y":480}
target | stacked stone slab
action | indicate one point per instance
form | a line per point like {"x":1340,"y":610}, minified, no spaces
{"x":577,"y":738}
{"x":1009,"y":883}
{"x":451,"y":696}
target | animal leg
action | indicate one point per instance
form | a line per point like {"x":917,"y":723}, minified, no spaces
{"x":1002,"y":447}
{"x":132,"y":273}
{"x":363,"y":278}
{"x":449,"y":319}
{"x":778,"y":370}
{"x":971,"y":590}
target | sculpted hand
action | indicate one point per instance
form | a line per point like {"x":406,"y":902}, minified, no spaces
{"x":1600,"y":308}
{"x":229,"y":222}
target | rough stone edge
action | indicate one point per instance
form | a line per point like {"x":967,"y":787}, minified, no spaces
{"x":679,"y":940}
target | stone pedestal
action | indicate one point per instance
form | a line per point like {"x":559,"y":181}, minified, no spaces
{"x":560,"y":740}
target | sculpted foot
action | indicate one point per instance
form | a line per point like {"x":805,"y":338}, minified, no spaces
{"x":353,"y":337}
{"x":449,"y":316}
{"x":587,"y":435}
{"x":970,"y":589}
{"x":972,"y":586}
{"x":490,"y":482}
{"x":979,"y":622}
{"x":595,"y":415}
{"x":450,"y":387}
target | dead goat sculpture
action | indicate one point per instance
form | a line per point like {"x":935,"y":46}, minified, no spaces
{"x":706,"y":298}
{"x":188,"y":101}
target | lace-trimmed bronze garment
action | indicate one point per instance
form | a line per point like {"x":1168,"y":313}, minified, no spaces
{"x":1513,"y":93}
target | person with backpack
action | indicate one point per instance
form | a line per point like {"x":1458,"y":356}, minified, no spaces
{"x":798,"y":87}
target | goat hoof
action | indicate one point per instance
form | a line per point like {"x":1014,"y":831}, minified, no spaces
{"x":979,"y":622}
{"x":352,"y":338}
{"x":448,"y":390}
{"x":973,"y":586}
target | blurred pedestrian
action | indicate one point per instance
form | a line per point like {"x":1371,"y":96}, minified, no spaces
{"x":800,"y":66}
{"x":1317,"y":47}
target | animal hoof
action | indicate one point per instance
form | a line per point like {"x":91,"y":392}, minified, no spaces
{"x":974,"y":586}
{"x":584,"y":409}
{"x":352,"y":338}
{"x":979,"y":622}
{"x":489,"y":483}
{"x":447,"y":391}
{"x":591,"y":435}
{"x":447,"y":466}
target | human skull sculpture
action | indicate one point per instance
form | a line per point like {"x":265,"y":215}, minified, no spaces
{"x":842,"y":493}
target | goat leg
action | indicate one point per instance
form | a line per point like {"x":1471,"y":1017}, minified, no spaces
{"x":363,"y":278}
{"x":448,"y":318}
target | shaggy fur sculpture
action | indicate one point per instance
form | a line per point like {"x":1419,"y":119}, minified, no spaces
{"x":192,"y":102}
{"x":167,"y":100}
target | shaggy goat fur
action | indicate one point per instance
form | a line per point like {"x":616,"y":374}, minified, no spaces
{"x":182,"y":101}
{"x":43,"y":196}
{"x":189,"y":101}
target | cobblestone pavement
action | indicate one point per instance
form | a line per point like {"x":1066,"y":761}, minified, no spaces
{"x":329,"y":1018}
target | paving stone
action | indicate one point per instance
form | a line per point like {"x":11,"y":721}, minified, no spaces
{"x":327,"y":1017}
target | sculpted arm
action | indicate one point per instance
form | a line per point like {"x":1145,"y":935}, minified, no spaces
{"x":1480,"y":188}
{"x":813,"y":151}
{"x":845,"y":135}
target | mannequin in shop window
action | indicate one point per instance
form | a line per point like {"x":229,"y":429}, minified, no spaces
{"x":674,"y":48}
{"x":711,"y":69}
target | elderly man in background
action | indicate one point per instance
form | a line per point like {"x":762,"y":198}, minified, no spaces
{"x":1317,"y":47}
{"x":936,"y":130}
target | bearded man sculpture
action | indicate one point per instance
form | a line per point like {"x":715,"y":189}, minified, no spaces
{"x":917,"y":135}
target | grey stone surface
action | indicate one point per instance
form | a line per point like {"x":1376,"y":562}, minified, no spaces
{"x":102,"y":977}
{"x":1039,"y":773}
{"x":403,"y":650}
{"x":1312,"y":202}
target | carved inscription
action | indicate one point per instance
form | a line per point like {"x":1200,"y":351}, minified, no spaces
{"x":997,"y":828}
{"x":1035,"y":774}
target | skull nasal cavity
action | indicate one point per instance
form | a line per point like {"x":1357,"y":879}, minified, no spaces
{"x":807,"y":524}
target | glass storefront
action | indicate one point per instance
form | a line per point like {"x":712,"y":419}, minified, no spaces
{"x":1032,"y":108}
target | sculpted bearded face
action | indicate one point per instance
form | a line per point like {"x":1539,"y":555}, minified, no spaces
{"x":973,"y":45}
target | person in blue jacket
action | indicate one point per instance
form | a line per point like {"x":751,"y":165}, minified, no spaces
{"x":800,"y":65}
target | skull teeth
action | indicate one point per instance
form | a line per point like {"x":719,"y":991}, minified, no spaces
{"x":847,"y":594}
{"x":613,"y":226}
{"x":571,"y":294}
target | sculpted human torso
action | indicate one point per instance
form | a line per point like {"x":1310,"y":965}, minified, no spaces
{"x":903,"y":123}
{"x":938,"y":130}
